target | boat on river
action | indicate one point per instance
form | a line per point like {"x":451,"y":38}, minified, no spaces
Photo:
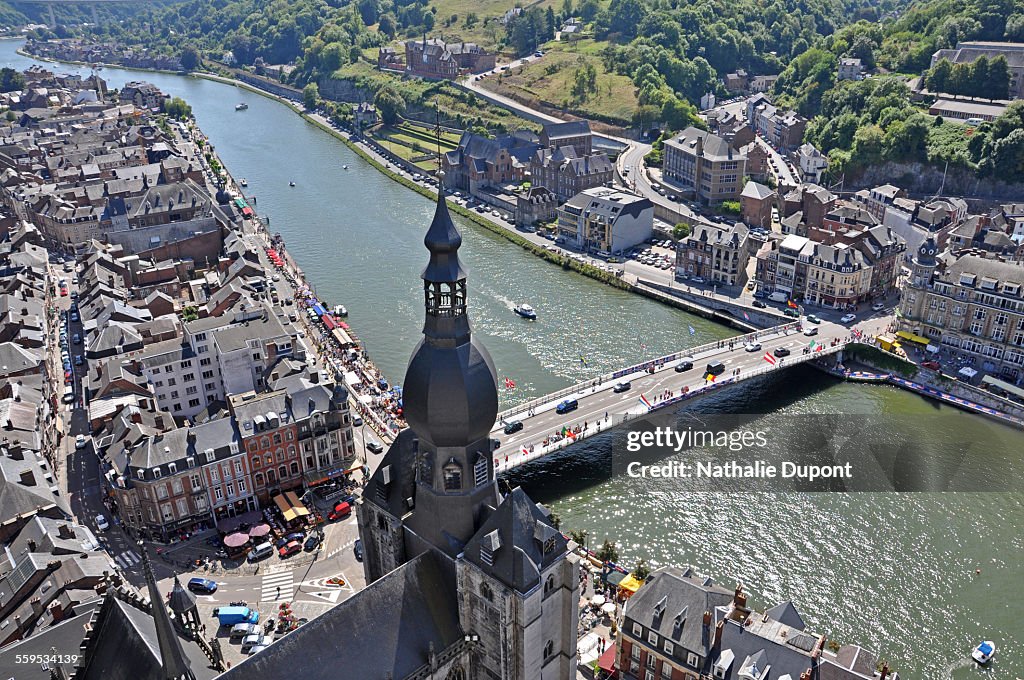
{"x":243,"y":182}
{"x":241,"y":107}
{"x":291,"y":184}
{"x":984,"y":652}
{"x":526,"y":311}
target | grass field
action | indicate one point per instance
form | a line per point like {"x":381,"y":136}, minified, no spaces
{"x":550,"y":79}
{"x":412,"y":142}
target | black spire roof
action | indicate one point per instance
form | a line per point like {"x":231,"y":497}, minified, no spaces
{"x":443,"y":241}
{"x":175,"y":665}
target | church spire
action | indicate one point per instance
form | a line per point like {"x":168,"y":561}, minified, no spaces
{"x":444,"y":281}
{"x":172,"y":656}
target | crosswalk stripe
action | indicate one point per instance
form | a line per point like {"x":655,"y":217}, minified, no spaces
{"x":271,"y":582}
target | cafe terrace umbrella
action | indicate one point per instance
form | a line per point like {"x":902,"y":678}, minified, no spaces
{"x":236,"y":540}
{"x":259,"y":530}
{"x":597,"y":600}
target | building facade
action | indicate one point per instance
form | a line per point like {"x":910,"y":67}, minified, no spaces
{"x":706,"y":164}
{"x":606,"y":220}
{"x":717,"y":253}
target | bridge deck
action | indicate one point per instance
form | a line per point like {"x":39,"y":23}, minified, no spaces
{"x":601,"y":408}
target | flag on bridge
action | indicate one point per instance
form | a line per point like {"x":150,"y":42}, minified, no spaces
{"x":746,"y":316}
{"x":643,"y":400}
{"x":812,"y":345}
{"x":523,"y":450}
{"x":510,"y":384}
{"x":692,"y":331}
{"x":791,"y":304}
{"x":769,"y":358}
{"x":710,"y":377}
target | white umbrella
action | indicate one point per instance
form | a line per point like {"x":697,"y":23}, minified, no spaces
{"x":608,"y":607}
{"x":597,"y":600}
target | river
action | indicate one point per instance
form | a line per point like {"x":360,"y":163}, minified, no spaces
{"x":896,"y":572}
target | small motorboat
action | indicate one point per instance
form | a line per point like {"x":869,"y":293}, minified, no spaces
{"x":344,"y":167}
{"x":291,"y":184}
{"x":243,"y":182}
{"x":339,"y":310}
{"x":526,"y":311}
{"x":241,"y":107}
{"x":984,"y":652}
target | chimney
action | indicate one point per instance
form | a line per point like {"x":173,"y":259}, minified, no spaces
{"x":707,"y":619}
{"x":885,"y":671}
{"x":37,"y":606}
{"x":137,"y":417}
{"x":57,"y":611}
{"x":718,"y":633}
{"x":699,"y":151}
{"x":27,"y":478}
{"x":159,"y":422}
{"x":32,"y":545}
{"x":191,"y":436}
{"x":739,"y":597}
{"x":65,"y":531}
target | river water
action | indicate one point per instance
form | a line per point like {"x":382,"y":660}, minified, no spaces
{"x":896,"y":572}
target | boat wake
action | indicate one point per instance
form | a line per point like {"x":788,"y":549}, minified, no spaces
{"x":957,"y":665}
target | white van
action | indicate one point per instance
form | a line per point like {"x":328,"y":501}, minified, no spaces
{"x":779,"y":296}
{"x":69,"y":394}
{"x":262,"y":551}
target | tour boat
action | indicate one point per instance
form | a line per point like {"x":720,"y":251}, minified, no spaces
{"x":241,"y":107}
{"x":291,"y":184}
{"x":526,"y":311}
{"x":339,"y":310}
{"x":244,"y":182}
{"x":984,"y":652}
{"x":344,"y":167}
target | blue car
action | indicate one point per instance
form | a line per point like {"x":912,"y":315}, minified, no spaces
{"x":567,"y":405}
{"x":202,"y":585}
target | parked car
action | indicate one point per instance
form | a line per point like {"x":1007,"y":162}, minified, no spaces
{"x":202,"y":585}
{"x":243,"y":630}
{"x":311,"y":543}
{"x":357,"y":421}
{"x":684,"y":365}
{"x":933,"y":365}
{"x":789,"y":311}
{"x":357,"y":550}
{"x":296,"y":536}
{"x":78,"y":360}
{"x":80,"y":441}
{"x":290,"y":549}
{"x":375,"y":446}
{"x":878,"y":306}
{"x":513,"y":426}
{"x":250,"y":641}
{"x":621,"y":387}
{"x":781,"y":352}
{"x":101,"y":523}
{"x":849,"y":318}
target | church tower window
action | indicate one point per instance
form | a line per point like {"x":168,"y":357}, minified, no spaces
{"x":452,"y":476}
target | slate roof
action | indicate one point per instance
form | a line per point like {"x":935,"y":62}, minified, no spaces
{"x":386,"y":628}
{"x":523,"y":531}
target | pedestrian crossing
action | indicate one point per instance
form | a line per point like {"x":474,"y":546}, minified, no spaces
{"x":127,"y":559}
{"x":277,"y":587}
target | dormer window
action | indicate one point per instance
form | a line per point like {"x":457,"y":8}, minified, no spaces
{"x":452,"y":472}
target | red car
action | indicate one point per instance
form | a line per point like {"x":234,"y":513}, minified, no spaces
{"x":341,"y":510}
{"x":934,"y":365}
{"x":290,"y":549}
{"x":63,"y":292}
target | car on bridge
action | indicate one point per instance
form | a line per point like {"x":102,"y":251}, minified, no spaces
{"x":752,"y":347}
{"x":781,"y":352}
{"x":685,"y":364}
{"x":567,"y":406}
{"x":622,"y":387}
{"x":202,"y":585}
{"x":849,"y":318}
{"x":878,"y":307}
{"x":789,"y":311}
{"x":811,"y":330}
{"x":759,"y":304}
{"x":513,"y":426}
{"x":813,"y":319}
{"x":375,"y":446}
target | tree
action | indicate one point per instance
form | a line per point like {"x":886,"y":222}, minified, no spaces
{"x":555,"y":520}
{"x":310,"y":96}
{"x":1008,"y":155}
{"x":189,"y":57}
{"x":11,"y":80}
{"x":580,"y":536}
{"x":998,"y":86}
{"x":608,"y":552}
{"x":641,"y":572}
{"x":390,"y":104}
{"x":622,"y":17}
{"x":680,"y":231}
{"x":177,"y":108}
{"x":938,"y":78}
{"x":388,"y":27}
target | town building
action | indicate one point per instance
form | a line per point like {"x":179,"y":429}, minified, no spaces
{"x":806,"y":206}
{"x":564,"y":172}
{"x":812,"y":163}
{"x":604,"y":220}
{"x":757,"y":203}
{"x":480,"y":162}
{"x":736,"y":82}
{"x":364,"y":115}
{"x":486,"y":586}
{"x":705,"y":164}
{"x":536,"y":204}
{"x":837,"y":276}
{"x":715,"y":252}
{"x":668,"y":629}
{"x":917,"y":220}
{"x":878,"y":199}
{"x":434,"y":58}
{"x":782,"y":129}
{"x":143,"y":95}
{"x":849,"y":69}
{"x":970,"y":51}
{"x":576,"y":134}
{"x":959,"y":109}
{"x":969,"y":305}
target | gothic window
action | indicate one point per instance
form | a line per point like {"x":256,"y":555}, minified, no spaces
{"x":382,"y":523}
{"x":452,"y":476}
{"x":549,"y":585}
{"x":456,"y":673}
{"x":549,"y":649}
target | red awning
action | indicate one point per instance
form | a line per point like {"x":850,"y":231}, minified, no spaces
{"x":328,"y":321}
{"x":247,"y":211}
{"x":271,"y":252}
{"x":607,"y":660}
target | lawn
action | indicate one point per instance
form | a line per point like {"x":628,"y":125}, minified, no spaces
{"x":411,"y":142}
{"x":549,"y":82}
{"x":487,"y":31}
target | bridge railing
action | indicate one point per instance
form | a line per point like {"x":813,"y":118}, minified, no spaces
{"x":643,"y":366}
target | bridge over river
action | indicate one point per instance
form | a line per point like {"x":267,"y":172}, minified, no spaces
{"x":601,"y":408}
